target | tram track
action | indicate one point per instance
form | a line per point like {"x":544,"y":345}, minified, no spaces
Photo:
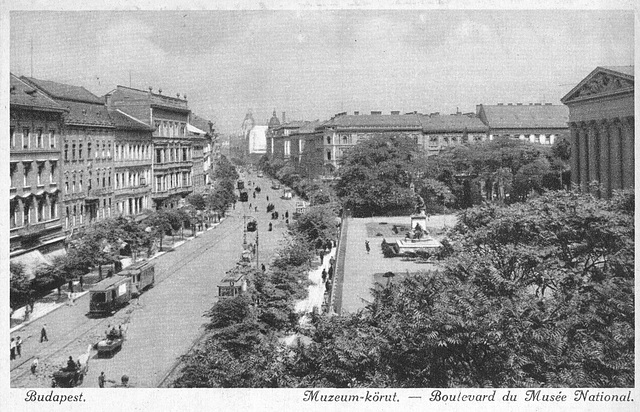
{"x":94,"y":323}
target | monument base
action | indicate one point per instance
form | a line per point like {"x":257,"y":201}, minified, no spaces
{"x":420,"y":219}
{"x":413,"y":245}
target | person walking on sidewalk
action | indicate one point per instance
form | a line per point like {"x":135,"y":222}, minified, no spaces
{"x":321,"y":256}
{"x":19,"y":347}
{"x":81,"y":283}
{"x":324,"y":275}
{"x":70,"y":286}
{"x":34,"y":366}
{"x":366,"y":245}
{"x":43,"y":334}
{"x":12,"y":346}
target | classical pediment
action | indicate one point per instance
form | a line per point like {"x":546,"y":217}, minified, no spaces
{"x":601,"y":82}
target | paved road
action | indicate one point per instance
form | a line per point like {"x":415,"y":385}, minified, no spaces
{"x":167,"y":319}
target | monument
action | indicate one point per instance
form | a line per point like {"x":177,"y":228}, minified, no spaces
{"x":418,"y":238}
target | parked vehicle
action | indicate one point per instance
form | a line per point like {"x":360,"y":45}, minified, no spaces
{"x":110,"y":295}
{"x":286,"y":194}
{"x":142,"y":275}
{"x":112,"y":343}
{"x":68,"y":377}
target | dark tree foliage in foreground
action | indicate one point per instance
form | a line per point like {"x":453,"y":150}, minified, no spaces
{"x":535,"y":294}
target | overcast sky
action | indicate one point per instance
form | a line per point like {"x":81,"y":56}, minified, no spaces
{"x":313,"y":64}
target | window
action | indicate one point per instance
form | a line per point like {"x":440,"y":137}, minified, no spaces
{"x":184,"y":154}
{"x":40,"y":210}
{"x":80,"y":184}
{"x":66,"y":152}
{"x":73,"y":185}
{"x":158,"y":156}
{"x":104,"y":181}
{"x":73,"y":152}
{"x":39,"y":139}
{"x":328,"y":155}
{"x":12,"y":133}
{"x":66,"y":186}
{"x":25,"y":174}
{"x":345,"y":140}
{"x":25,"y":138}
{"x":53,"y":208}
{"x":328,"y":139}
{"x":13,"y":209}
{"x":80,"y":151}
{"x":88,"y":150}
{"x":39,"y":175}
{"x":109,"y":180}
{"x":52,"y":139}
{"x":26,"y":212}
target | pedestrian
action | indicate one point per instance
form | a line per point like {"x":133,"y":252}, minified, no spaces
{"x":70,"y":287}
{"x":27,"y":312}
{"x":332,"y":261}
{"x":330,"y":273}
{"x":34,"y":366}
{"x":12,"y":346}
{"x":366,"y":245}
{"x":264,"y":268}
{"x":327,"y":286}
{"x":286,"y":214}
{"x":250,"y":206}
{"x":32,"y":303}
{"x":287,"y":221}
{"x":267,"y":198}
{"x":70,"y":297}
{"x":256,"y":208}
{"x":324,"y":275}
{"x":81,"y":283}
{"x":102,"y":379}
{"x":19,"y":347}
{"x":321,"y":256}
{"x":270,"y":226}
{"x":234,"y":205}
{"x":59,"y":291}
{"x":43,"y":334}
{"x":254,"y":194}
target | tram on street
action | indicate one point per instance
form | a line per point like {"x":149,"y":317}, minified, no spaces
{"x":109,"y":295}
{"x":233,"y":284}
{"x":142,"y":275}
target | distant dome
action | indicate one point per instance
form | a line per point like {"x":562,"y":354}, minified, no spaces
{"x":274,"y":122}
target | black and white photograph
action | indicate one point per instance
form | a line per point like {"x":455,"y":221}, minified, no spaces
{"x":357,"y":205}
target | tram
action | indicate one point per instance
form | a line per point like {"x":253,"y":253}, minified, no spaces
{"x":110,"y":295}
{"x":142,"y":276}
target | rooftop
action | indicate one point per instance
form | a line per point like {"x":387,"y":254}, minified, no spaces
{"x":525,"y":116}
{"x":628,"y":70}
{"x":451,"y":123}
{"x":63,"y":91}
{"x":124,"y":121}
{"x":377,"y":121}
{"x":23,"y":94}
{"x":87,"y":114}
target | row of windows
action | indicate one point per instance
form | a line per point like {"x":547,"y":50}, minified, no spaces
{"x":173,"y":154}
{"x":75,"y":214}
{"x":132,"y":179}
{"x":170,"y":129}
{"x":102,"y":151}
{"x":132,"y":206}
{"x":74,"y":183}
{"x":37,"y":139}
{"x":533,"y":138}
{"x":132,"y":152}
{"x":33,"y":210}
{"x":173,"y":180}
{"x":45,"y":171}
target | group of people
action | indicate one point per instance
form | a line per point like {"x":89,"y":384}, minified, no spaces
{"x":16,"y":348}
{"x":327,"y":276}
{"x":114,"y":333}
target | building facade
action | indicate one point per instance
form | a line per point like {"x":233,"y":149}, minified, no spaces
{"x":87,"y":147}
{"x":343,"y":131}
{"x":172,"y":159}
{"x":536,"y":122}
{"x":442,"y":131}
{"x":601,"y":120}
{"x":35,"y":126}
{"x":132,"y":160}
{"x":210,"y":148}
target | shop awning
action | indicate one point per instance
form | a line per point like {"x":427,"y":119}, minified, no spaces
{"x":31,"y":261}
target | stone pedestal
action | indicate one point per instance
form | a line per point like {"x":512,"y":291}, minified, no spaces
{"x":420,"y":219}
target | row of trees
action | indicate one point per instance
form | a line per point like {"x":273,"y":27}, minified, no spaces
{"x":535,"y":294}
{"x":244,"y":347}
{"x":316,"y":192}
{"x":376,"y":175}
{"x":102,"y":243}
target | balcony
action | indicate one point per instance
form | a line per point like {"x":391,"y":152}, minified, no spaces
{"x":172,"y":165}
{"x":132,"y":163}
{"x":133,"y":190}
{"x":31,"y":228}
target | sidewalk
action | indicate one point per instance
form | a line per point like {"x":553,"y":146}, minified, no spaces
{"x":53,"y":301}
{"x":316,"y":294}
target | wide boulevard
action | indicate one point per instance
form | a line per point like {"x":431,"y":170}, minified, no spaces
{"x":167,"y":319}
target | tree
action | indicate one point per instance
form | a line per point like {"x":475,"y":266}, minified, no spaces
{"x":375,"y":175}
{"x":18,"y":285}
{"x":318,"y":223}
{"x":197,"y":201}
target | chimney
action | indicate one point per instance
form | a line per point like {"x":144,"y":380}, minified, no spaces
{"x":284,"y":117}
{"x":185,"y":97}
{"x":518,"y":104}
{"x":356,"y":113}
{"x":510,"y":104}
{"x":376,"y":112}
{"x":395,"y":112}
{"x":159,"y":91}
{"x":500,"y":104}
{"x":178,"y":95}
{"x":530,"y":104}
{"x":547,"y":104}
{"x":538,"y":104}
{"x":478,"y":106}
